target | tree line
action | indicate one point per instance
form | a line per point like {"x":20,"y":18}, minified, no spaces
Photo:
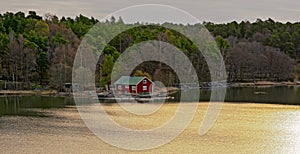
{"x":37,"y":51}
{"x":263,"y":50}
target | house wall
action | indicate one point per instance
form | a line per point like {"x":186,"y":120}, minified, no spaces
{"x":139,"y":87}
{"x":123,"y":88}
{"x":131,"y":89}
{"x":141,"y":84}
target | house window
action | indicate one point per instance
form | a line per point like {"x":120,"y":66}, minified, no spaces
{"x":127,"y":87}
{"x":120,"y":87}
{"x":145,"y":87}
{"x":133,"y":87}
{"x":144,"y":81}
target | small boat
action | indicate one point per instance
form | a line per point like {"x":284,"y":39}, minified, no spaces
{"x":104,"y":94}
{"x":260,"y":93}
{"x":143,"y":100}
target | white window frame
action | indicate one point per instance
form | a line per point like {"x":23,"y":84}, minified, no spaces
{"x":145,"y":88}
{"x":144,"y":81}
{"x":133,"y":87}
{"x":119,"y":87}
{"x":126,"y":87}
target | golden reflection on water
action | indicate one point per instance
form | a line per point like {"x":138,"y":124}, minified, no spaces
{"x":288,"y":126}
{"x":240,"y":128}
{"x":263,"y":128}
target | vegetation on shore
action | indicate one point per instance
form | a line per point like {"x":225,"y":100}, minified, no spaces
{"x":38,"y":51}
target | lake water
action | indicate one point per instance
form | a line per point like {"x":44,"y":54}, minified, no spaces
{"x":14,"y":105}
{"x":43,"y":124}
{"x":31,"y":105}
{"x":271,"y":94}
{"x":240,"y":128}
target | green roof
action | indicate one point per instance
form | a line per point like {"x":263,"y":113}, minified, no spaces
{"x":129,"y":80}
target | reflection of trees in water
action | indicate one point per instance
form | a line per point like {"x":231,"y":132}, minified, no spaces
{"x":31,"y":105}
{"x":11,"y":105}
{"x":270,"y":94}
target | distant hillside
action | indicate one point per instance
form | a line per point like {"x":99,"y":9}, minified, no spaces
{"x":36,"y":51}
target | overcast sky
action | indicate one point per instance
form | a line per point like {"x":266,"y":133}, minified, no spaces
{"x":205,"y":10}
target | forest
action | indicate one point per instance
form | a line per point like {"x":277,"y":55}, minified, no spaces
{"x":38,"y":51}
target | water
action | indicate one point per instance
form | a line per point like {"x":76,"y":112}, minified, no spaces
{"x":272,"y":94}
{"x":42,"y":124}
{"x":31,"y":105}
{"x":28,"y":105}
{"x":240,"y":128}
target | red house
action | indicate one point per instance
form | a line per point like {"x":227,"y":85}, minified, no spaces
{"x":134,"y":85}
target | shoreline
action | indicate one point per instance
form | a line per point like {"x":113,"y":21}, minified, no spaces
{"x":32,"y":92}
{"x":168,"y":102}
{"x":53,"y":92}
{"x":263,"y":83}
{"x":87,"y":94}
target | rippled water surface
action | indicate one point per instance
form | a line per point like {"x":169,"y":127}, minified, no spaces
{"x":267,"y":94}
{"x":53,"y":125}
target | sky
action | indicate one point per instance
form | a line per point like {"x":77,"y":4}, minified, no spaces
{"x":217,"y":11}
